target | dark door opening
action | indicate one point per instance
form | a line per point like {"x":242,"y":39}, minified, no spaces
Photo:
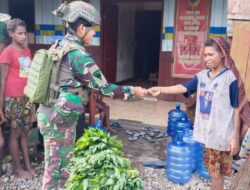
{"x":109,"y":39}
{"x":24,"y":10}
{"x":147,"y":50}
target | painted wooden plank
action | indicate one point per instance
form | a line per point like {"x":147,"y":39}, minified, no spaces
{"x":240,"y":51}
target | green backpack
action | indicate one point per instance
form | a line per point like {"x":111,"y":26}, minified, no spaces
{"x":43,"y":75}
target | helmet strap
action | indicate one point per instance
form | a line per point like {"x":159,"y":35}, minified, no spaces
{"x":70,"y":30}
{"x":86,"y":32}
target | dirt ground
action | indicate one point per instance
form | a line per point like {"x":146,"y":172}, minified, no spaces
{"x":141,"y":146}
{"x":141,"y":151}
{"x":138,"y":152}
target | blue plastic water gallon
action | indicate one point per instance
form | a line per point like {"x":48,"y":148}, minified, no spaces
{"x":173,"y":116}
{"x":201,"y":168}
{"x":179,"y":160}
{"x":182,"y":124}
{"x":188,"y":135}
{"x":98,"y":125}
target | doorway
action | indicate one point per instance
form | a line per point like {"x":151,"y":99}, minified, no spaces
{"x":109,"y":39}
{"x":24,"y":10}
{"x":147,"y":47}
{"x":131,"y":34}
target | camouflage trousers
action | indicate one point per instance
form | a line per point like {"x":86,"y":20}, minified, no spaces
{"x":58,"y":150}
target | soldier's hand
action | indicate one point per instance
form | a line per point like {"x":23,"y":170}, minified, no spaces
{"x":154,"y":91}
{"x":140,"y":92}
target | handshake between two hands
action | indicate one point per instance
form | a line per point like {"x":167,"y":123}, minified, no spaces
{"x":141,"y":92}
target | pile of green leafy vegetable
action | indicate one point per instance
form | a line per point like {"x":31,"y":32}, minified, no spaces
{"x":99,"y":164}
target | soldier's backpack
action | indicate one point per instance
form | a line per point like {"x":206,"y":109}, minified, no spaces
{"x":43,"y":75}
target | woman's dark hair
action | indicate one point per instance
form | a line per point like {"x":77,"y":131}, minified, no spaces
{"x":14,"y":23}
{"x":211,"y":43}
{"x":77,"y":23}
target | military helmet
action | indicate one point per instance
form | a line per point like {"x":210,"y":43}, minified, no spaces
{"x":4,"y":17}
{"x":70,"y":12}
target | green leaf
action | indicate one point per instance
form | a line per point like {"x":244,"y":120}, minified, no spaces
{"x":99,"y":164}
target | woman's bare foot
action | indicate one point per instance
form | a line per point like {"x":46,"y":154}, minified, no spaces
{"x":32,"y":172}
{"x":20,"y":173}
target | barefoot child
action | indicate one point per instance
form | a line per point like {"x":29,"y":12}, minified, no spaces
{"x":15,"y":62}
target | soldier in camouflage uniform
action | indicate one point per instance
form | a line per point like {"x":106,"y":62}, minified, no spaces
{"x":80,"y":19}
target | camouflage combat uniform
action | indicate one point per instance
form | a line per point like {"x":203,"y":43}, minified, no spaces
{"x":4,"y":37}
{"x":59,"y":140}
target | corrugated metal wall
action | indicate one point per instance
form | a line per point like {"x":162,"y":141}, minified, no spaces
{"x":96,"y":39}
{"x":48,"y":27}
{"x":218,"y":22}
{"x":168,"y":25}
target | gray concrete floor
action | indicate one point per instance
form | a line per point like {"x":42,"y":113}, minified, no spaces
{"x":149,"y":111}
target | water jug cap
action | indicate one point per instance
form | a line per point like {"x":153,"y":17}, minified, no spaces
{"x":178,"y":105}
{"x":98,"y":121}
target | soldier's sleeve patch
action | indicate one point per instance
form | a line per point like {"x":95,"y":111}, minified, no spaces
{"x":97,"y":75}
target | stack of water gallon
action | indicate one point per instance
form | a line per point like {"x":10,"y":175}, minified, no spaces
{"x":184,"y":156}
